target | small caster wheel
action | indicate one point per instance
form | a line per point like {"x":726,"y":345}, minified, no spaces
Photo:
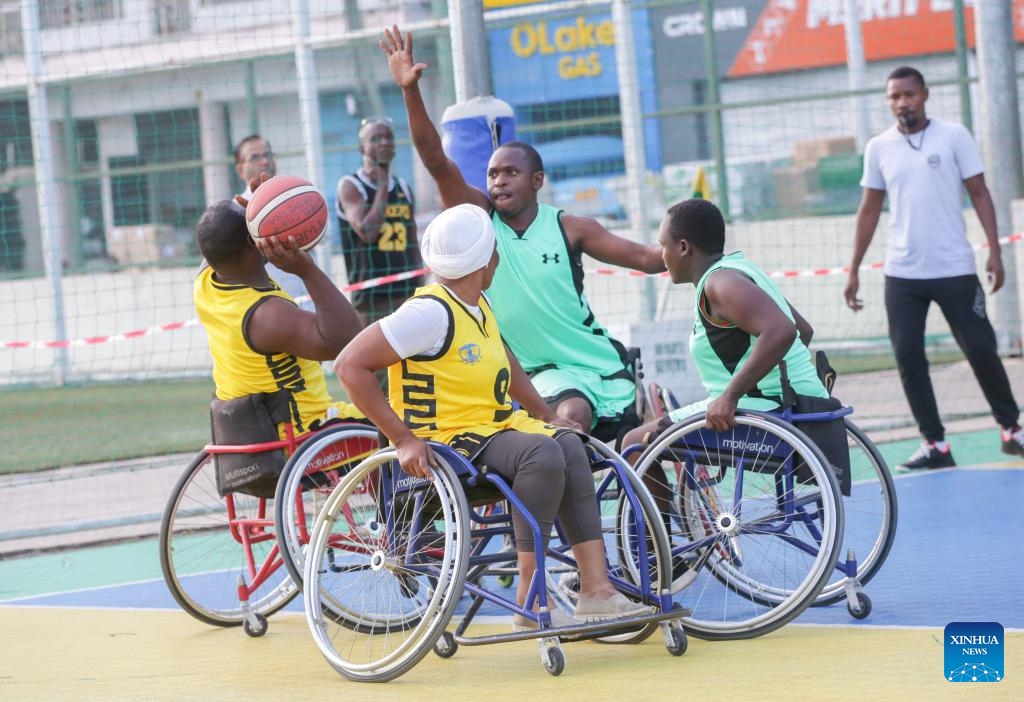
{"x":445,"y":647}
{"x":255,"y":626}
{"x":863,"y":607}
{"x":679,"y":642}
{"x":555,"y":662}
{"x":505,"y":580}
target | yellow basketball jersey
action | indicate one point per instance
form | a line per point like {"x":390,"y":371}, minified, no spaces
{"x":238,"y":370}
{"x":463,"y":388}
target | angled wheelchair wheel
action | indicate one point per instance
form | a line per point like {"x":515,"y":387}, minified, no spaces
{"x":634,"y":536}
{"x":385,"y":567}
{"x":755,"y":522}
{"x":871,"y":514}
{"x":209,"y":543}
{"x":312,"y":473}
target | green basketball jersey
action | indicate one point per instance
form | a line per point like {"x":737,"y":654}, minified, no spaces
{"x":719,"y":351}
{"x":538,"y":299}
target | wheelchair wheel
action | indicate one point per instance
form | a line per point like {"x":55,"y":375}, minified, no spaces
{"x":755,"y":521}
{"x":621,"y":515}
{"x":202,"y":555}
{"x":870,"y":511}
{"x":385,"y":567}
{"x":313,"y":471}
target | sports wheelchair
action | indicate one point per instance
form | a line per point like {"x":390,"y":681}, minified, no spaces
{"x":391,"y":555}
{"x":695,"y":461}
{"x":221,"y":556}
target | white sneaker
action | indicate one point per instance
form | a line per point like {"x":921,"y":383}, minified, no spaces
{"x":618,"y":606}
{"x":558,"y":619}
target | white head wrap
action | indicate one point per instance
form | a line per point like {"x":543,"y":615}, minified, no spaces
{"x":459,"y":241}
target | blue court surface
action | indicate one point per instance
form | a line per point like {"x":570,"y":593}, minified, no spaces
{"x":956,"y":557}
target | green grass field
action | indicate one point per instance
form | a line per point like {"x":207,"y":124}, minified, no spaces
{"x":54,"y":427}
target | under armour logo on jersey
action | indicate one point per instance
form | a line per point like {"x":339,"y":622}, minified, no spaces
{"x":553,"y":258}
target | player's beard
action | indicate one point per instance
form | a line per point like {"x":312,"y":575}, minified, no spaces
{"x":908,"y":120}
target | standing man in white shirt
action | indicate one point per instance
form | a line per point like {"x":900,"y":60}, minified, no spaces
{"x":923,"y":165}
{"x":254,"y":157}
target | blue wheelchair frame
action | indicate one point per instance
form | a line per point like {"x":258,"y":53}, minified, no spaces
{"x":758,"y":450}
{"x":633,"y":572}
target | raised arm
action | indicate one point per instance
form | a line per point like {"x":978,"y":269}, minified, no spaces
{"x":587,"y":235}
{"x":278,"y":326}
{"x":406,"y":72}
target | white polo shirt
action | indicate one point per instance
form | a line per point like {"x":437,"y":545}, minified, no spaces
{"x":927,"y":234}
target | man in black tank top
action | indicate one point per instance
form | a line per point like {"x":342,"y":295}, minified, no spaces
{"x":378,"y":228}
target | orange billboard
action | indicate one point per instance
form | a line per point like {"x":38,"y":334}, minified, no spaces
{"x":799,"y":34}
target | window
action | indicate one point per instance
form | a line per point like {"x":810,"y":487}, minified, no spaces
{"x":58,"y":14}
{"x":172,"y":137}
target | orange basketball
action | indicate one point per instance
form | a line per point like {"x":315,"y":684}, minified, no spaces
{"x":286,"y":206}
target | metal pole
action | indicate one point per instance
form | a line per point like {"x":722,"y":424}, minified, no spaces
{"x":471,"y":60}
{"x":634,"y":149}
{"x":1001,"y":146}
{"x":960,"y":33}
{"x":46,"y":200}
{"x":74,"y":208}
{"x":856,"y":69}
{"x":717,"y":132}
{"x":309,"y":112}
{"x":251,"y":105}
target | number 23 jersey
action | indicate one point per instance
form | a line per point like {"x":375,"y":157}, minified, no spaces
{"x":396,"y":251}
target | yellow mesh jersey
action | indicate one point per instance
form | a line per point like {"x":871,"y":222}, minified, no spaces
{"x":463,"y":389}
{"x":238,"y":370}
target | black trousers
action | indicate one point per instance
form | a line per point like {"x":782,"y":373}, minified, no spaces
{"x":962,"y":302}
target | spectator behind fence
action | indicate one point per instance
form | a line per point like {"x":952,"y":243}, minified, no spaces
{"x":579,"y":369}
{"x":253,"y":158}
{"x":378,"y":229}
{"x":923,"y":164}
{"x":444,"y":349}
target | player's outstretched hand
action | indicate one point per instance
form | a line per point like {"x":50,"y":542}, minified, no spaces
{"x":253,"y":184}
{"x":405,"y":71}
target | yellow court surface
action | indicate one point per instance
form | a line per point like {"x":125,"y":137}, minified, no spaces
{"x":111,"y":655}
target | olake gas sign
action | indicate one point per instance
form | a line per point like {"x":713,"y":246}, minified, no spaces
{"x":576,"y":44}
{"x":558,"y":58}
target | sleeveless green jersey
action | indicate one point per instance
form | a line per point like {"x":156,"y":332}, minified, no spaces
{"x":720,"y":349}
{"x":540,"y":305}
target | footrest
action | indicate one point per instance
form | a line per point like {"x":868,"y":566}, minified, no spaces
{"x":576,"y":632}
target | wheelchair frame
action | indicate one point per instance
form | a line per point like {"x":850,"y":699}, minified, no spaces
{"x":872,"y":509}
{"x":368,"y":552}
{"x":755,"y":520}
{"x":221,"y":556}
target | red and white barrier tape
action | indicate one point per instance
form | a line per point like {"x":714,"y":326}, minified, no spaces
{"x":395,"y":277}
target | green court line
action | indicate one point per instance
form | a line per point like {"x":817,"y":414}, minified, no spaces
{"x":79,"y":569}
